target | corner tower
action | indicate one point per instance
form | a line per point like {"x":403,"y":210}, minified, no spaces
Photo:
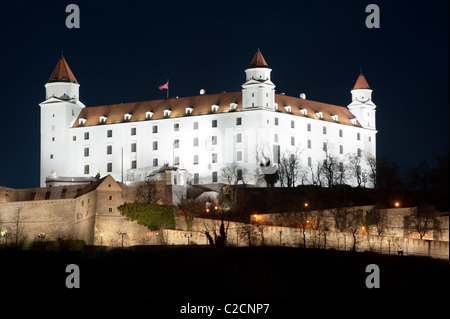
{"x":258,"y":91}
{"x":58,"y":113}
{"x":362,"y":106}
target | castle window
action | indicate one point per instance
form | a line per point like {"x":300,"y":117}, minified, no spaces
{"x":176,"y":126}
{"x":109,"y":167}
{"x":110,"y":197}
{"x":214,"y":108}
{"x":335,"y":118}
{"x":109,"y":133}
{"x":358,"y":136}
{"x":53,"y":139}
{"x":239,"y":121}
{"x":134,"y":164}
{"x":195,"y":159}
{"x":155,"y":162}
{"x":110,"y":209}
{"x":176,"y":143}
{"x":167,"y":112}
{"x":214,"y":158}
{"x":214,"y":140}
{"x":86,"y":151}
{"x":176,"y":161}
{"x":133,"y":131}
{"x":74,"y":138}
{"x":253,"y":94}
{"x":319,"y":115}
{"x":214,"y":123}
{"x":359,"y":153}
{"x":239,"y":138}
{"x":341,"y":149}
{"x":127,"y":117}
{"x":288,"y":108}
{"x":214,"y":177}
{"x":233,"y":106}
{"x":324,"y":146}
{"x":308,"y":127}
{"x":195,"y":141}
{"x":109,"y":149}
{"x":81,"y":121}
{"x":196,"y":178}
{"x":275,"y":138}
{"x":155,"y":145}
{"x":309,"y":143}
{"x":148,"y":115}
{"x":189,"y":110}
{"x":292,"y":124}
{"x":239,"y":156}
{"x":86,"y":169}
{"x":370,"y":138}
{"x":276,"y":121}
{"x":195,"y":125}
{"x":324,"y":130}
{"x":51,"y":156}
{"x":304,"y":111}
{"x":341,"y":133}
{"x":86,"y":135}
{"x":102,"y":119}
{"x":353,"y":121}
{"x":133,"y":147}
{"x":309,"y":161}
{"x":292,"y":141}
{"x":155,"y":129}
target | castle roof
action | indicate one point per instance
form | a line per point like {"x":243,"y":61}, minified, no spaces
{"x":62,"y":73}
{"x":361,"y":83}
{"x":258,"y":61}
{"x":91,"y":186}
{"x":201,"y":105}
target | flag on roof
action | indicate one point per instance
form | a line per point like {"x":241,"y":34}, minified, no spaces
{"x":164,"y":86}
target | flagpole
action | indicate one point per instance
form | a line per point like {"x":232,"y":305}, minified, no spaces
{"x":167,"y":88}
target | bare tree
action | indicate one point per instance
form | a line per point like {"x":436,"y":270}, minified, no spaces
{"x":316,"y":171}
{"x":146,"y":192}
{"x":355,"y":222}
{"x":19,"y":236}
{"x":289,"y":168}
{"x":422,"y":221}
{"x":354,"y":166}
{"x":330,"y":166}
{"x":341,"y":217}
{"x":372,"y":163}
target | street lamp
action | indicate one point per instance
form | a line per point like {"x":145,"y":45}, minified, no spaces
{"x":397,"y":204}
{"x":122,"y":234}
{"x":5,"y":234}
{"x":188,"y":235}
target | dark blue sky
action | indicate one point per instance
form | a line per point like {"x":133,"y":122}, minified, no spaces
{"x":125,"y":49}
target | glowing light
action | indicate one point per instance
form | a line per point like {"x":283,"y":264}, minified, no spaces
{"x":397,"y":204}
{"x":306,"y":204}
{"x":207,"y":210}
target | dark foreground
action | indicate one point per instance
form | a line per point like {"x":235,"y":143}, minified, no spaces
{"x":166,"y":278}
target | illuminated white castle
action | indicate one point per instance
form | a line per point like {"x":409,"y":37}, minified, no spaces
{"x":198,"y":135}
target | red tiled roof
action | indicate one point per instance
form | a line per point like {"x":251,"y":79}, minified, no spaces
{"x":258,"y":61}
{"x":201,"y":105}
{"x":62,"y":73}
{"x":361,"y":83}
{"x":91,"y":186}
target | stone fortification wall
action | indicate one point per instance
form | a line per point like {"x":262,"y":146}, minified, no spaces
{"x":27,"y":219}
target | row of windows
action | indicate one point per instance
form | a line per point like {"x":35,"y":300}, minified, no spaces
{"x":109,"y":133}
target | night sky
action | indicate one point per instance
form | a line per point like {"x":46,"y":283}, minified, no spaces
{"x":125,"y":49}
